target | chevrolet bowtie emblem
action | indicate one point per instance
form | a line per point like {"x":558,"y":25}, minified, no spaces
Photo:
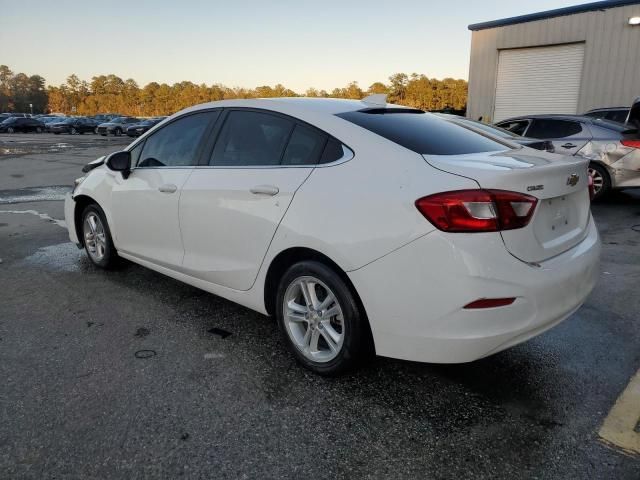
{"x":573,"y":179}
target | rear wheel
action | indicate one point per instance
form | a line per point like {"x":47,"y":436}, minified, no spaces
{"x":601,"y":180}
{"x":74,"y":131}
{"x":39,"y":130}
{"x":97,"y":237}
{"x":11,"y":130}
{"x":320,"y":320}
{"x":117,"y":132}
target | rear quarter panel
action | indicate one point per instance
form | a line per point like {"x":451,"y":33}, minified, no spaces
{"x":358,"y":211}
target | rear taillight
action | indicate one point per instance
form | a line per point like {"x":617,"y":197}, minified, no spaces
{"x":592,"y":189}
{"x":631,"y":143}
{"x":477,"y":210}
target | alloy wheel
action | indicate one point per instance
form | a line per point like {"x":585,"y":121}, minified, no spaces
{"x":313,"y":319}
{"x":598,"y":180}
{"x":94,"y":237}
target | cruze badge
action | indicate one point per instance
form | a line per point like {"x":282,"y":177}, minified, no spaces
{"x":532,"y":188}
{"x":572,"y":180}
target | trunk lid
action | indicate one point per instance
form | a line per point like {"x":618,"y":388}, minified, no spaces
{"x":560,"y":183}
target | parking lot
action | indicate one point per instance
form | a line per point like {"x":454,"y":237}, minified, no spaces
{"x":127,"y":373}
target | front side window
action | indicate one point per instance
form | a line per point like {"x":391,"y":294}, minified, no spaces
{"x":176,"y":145}
{"x":251,"y":138}
{"x":619,"y":116}
{"x":550,"y":128}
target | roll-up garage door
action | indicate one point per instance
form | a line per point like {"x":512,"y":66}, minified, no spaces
{"x":538,"y":80}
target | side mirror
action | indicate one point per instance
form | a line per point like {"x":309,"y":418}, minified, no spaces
{"x":120,"y":162}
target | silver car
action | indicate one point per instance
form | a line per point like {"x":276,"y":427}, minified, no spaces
{"x":613,"y":148}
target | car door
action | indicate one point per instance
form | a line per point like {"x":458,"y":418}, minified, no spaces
{"x":567,"y":136}
{"x":231,"y":207}
{"x":145,"y":205}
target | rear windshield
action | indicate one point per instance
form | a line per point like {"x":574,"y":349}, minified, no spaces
{"x":422,"y":132}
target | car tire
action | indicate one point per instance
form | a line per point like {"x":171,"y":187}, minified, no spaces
{"x":601,"y":180}
{"x":103,"y":134}
{"x":326,"y":330}
{"x":39,"y":130}
{"x":96,"y":238}
{"x":117,"y":132}
{"x":95,"y":130}
{"x":11,"y":130}
{"x":73,"y":131}
{"x":56,"y":133}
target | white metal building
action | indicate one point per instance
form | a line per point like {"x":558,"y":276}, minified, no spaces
{"x":567,"y":61}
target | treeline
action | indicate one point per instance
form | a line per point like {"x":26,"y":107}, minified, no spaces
{"x":110,"y":93}
{"x":21,"y":93}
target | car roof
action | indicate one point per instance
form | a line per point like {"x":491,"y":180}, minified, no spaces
{"x":330,"y":106}
{"x":604,"y":109}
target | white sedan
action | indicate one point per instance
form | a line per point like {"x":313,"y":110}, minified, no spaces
{"x":364,"y":227}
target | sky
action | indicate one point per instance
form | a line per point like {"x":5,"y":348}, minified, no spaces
{"x":300,"y":44}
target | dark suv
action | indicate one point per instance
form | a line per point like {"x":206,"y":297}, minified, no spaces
{"x":21,"y":124}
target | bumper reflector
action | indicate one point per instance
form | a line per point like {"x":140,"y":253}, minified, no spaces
{"x":490,"y":303}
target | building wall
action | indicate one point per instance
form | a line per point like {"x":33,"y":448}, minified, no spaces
{"x":611,"y":74}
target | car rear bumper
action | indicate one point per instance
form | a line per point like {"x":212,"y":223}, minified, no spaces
{"x":414,"y":297}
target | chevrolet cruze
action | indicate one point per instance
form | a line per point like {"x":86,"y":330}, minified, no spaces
{"x":363,"y":227}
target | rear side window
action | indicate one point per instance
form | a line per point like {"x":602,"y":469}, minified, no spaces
{"x":252,"y":138}
{"x":515,"y":126}
{"x":333,"y":151}
{"x":548,"y":128}
{"x":304,"y":147}
{"x":176,"y":144}
{"x":423,"y":133}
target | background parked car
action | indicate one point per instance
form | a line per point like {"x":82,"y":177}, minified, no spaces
{"x":117,"y":126}
{"x":77,"y":125}
{"x":498,"y":132}
{"x":613,"y":148}
{"x":105,"y":117}
{"x":49,"y":121}
{"x":138,"y":129}
{"x":21,"y":124}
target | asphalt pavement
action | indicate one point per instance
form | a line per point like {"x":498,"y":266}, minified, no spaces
{"x":130,"y":374}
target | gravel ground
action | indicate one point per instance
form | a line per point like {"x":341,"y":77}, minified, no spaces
{"x":129,"y":374}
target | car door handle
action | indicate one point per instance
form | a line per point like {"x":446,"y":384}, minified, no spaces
{"x":167,"y":188}
{"x":270,"y":190}
{"x":569,"y":145}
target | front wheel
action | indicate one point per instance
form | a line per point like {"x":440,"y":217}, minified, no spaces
{"x":601,"y":180}
{"x":117,"y":132}
{"x":320,"y":320}
{"x":73,"y":131}
{"x":11,"y":130}
{"x":39,"y":130}
{"x":97,"y":237}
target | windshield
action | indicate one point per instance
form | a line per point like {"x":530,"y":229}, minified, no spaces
{"x":422,"y":132}
{"x":118,"y":120}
